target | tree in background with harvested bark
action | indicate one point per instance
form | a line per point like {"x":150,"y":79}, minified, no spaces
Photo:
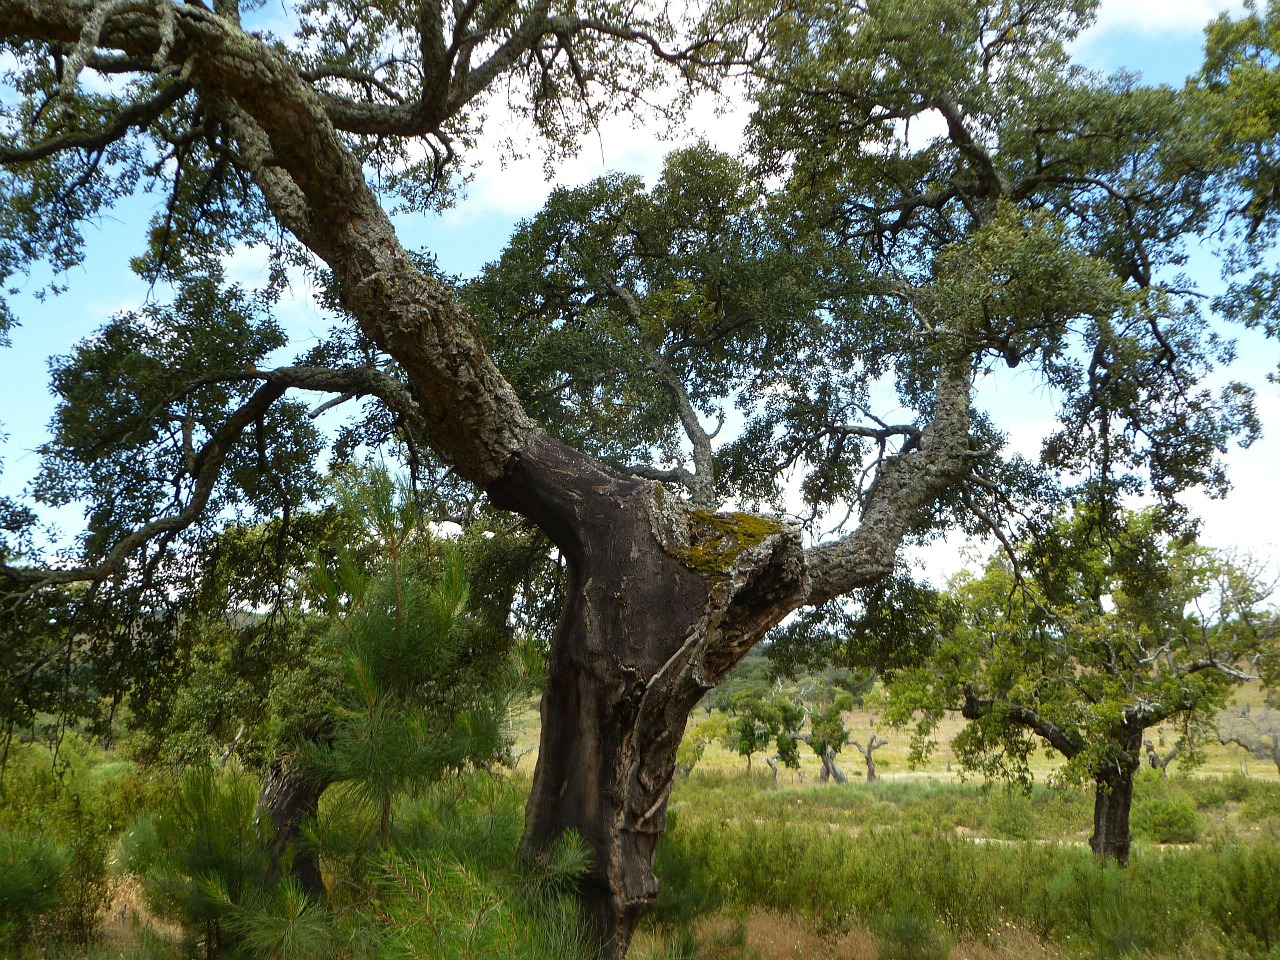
{"x":1257,"y":731}
{"x":874,"y":743}
{"x":1105,"y":634}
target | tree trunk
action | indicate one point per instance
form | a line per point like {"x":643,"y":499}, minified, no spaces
{"x":871,"y":768}
{"x":661,"y":602}
{"x":829,"y":768}
{"x":291,"y":800}
{"x":773,"y":768}
{"x":1112,"y":802}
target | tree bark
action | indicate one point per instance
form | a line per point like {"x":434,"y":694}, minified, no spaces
{"x":291,"y":801}
{"x":661,"y":603}
{"x":829,"y":768}
{"x":1113,"y":799}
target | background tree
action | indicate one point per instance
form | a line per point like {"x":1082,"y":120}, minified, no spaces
{"x":1108,"y":634}
{"x":1038,"y":231}
{"x":828,"y":735}
{"x":1257,"y":731}
{"x":763,"y":721}
{"x":874,"y":743}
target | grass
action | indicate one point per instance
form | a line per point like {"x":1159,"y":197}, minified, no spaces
{"x":918,"y":865}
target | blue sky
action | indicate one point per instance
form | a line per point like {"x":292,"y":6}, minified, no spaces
{"x":1159,"y":40}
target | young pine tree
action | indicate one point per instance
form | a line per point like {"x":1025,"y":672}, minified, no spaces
{"x":427,"y":686}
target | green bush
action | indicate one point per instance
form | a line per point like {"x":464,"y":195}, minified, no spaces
{"x":1011,"y":815}
{"x":1248,"y":903}
{"x":1262,"y":804}
{"x":82,"y":804}
{"x":32,"y":872}
{"x":1237,"y":788}
{"x":200,"y":854}
{"x":448,"y":888}
{"x":909,"y":933}
{"x":1166,"y":819}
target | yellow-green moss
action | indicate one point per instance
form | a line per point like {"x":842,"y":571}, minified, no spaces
{"x":718,"y":539}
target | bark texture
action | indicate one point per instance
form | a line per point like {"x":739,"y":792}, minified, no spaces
{"x":874,"y":744}
{"x":291,"y":801}
{"x":661,"y":603}
{"x":1113,"y":799}
{"x":829,"y":769}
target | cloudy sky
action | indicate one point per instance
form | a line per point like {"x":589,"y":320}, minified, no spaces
{"x":1159,"y":39}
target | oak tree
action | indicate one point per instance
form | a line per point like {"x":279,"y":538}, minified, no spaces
{"x":1103,"y":636}
{"x":841,"y":328}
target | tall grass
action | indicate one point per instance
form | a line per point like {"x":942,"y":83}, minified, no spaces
{"x":1200,"y":902}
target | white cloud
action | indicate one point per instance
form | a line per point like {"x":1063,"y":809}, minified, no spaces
{"x":1247,"y":518}
{"x":630,"y":144}
{"x":1160,"y":16}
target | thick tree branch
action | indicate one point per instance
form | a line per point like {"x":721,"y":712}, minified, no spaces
{"x":975,"y":708}
{"x":904,"y":486}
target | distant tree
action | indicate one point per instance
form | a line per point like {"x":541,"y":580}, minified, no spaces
{"x":1257,"y":731}
{"x":764,"y":721}
{"x":696,"y":740}
{"x":828,"y":735}
{"x":874,"y":743}
{"x":1112,"y":630}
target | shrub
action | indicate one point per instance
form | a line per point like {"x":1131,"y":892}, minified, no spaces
{"x":1011,"y":815}
{"x":1262,"y":804}
{"x":909,"y":933}
{"x":1166,"y":819}
{"x":32,"y":870}
{"x":1249,"y":909}
{"x":199,"y":854}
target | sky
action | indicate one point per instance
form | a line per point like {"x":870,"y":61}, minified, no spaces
{"x":1159,"y":39}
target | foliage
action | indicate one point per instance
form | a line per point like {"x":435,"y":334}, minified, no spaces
{"x":1162,"y":819}
{"x":696,"y":740}
{"x":427,"y":686}
{"x":449,"y":886}
{"x":1248,"y":913}
{"x":763,"y":721}
{"x":975,"y":890}
{"x":32,"y":872}
{"x":78,"y":805}
{"x":907,"y":933}
{"x":827,"y":729}
{"x":200,"y":854}
{"x":1106,"y":634}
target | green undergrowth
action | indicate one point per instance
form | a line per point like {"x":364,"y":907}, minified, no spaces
{"x":889,"y":857}
{"x":61,"y":816}
{"x":445,"y":884}
{"x":914,"y":806}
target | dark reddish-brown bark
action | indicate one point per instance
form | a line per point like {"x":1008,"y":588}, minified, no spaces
{"x":1113,"y":800}
{"x":642,"y":636}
